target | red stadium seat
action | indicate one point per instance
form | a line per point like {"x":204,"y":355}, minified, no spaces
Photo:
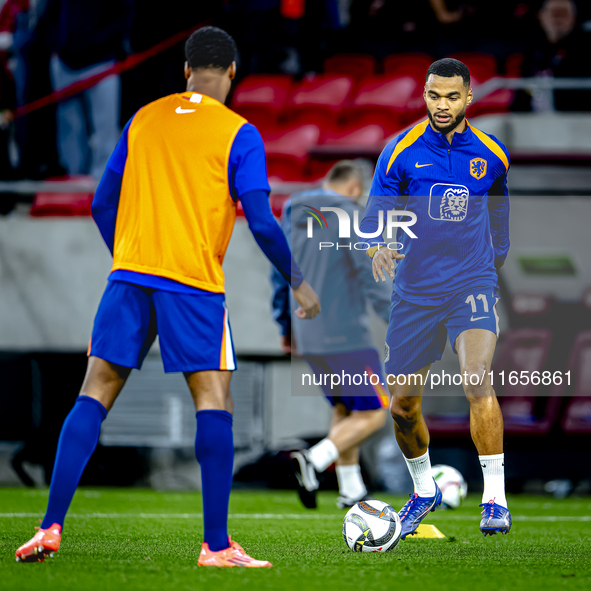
{"x":353,"y":138}
{"x":356,"y":136}
{"x":482,"y":66}
{"x":386,"y":101}
{"x":407,"y":64}
{"x":261,"y":97}
{"x":357,"y":65}
{"x":527,"y":408}
{"x":513,"y":65}
{"x":576,"y":418}
{"x":277,"y":202}
{"x":66,"y":203}
{"x":498,"y":101}
{"x":287,"y":151}
{"x":319,"y":100}
{"x":62,"y":204}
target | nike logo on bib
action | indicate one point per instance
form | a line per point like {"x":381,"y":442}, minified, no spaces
{"x":180,"y":110}
{"x":472,"y":319}
{"x":417,"y":165}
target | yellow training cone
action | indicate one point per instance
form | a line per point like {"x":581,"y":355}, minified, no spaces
{"x":427,"y":531}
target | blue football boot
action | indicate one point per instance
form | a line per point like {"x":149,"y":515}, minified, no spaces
{"x":416,"y":509}
{"x":495,"y":519}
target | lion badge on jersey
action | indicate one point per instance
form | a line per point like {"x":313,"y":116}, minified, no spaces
{"x":448,"y":203}
{"x":478,"y":167}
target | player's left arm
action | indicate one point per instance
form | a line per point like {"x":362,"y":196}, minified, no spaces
{"x":498,"y":209}
{"x":280,"y":299}
{"x":247,"y":174}
{"x":106,"y":197}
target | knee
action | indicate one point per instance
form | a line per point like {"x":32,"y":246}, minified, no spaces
{"x":476,"y":382}
{"x":405,"y":410}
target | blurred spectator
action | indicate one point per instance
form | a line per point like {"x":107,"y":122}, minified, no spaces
{"x":7,"y":106}
{"x":561,"y":51}
{"x":7,"y":95}
{"x":87,"y":38}
{"x":35,"y":133}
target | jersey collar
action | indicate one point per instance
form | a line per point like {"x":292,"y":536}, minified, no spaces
{"x":438,"y":139}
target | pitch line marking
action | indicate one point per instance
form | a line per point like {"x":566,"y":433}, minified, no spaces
{"x":296,"y":516}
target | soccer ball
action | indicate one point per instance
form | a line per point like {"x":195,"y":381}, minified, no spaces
{"x":452,"y":484}
{"x":372,"y":526}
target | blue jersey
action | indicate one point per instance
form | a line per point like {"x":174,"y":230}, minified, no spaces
{"x":459,"y":194}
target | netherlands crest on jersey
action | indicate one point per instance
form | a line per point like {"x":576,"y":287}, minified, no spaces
{"x":478,"y":167}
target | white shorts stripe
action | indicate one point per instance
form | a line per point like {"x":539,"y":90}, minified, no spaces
{"x":229,"y":345}
{"x":497,"y":318}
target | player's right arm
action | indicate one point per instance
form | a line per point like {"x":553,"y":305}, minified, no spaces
{"x":385,"y":188}
{"x":106,"y":197}
{"x":248,"y":180}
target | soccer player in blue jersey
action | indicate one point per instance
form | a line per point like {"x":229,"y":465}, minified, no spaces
{"x":166,"y":207}
{"x":339,"y":340}
{"x":453,"y":177}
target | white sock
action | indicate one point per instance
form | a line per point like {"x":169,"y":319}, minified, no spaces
{"x":350,"y":482}
{"x":420,"y":472}
{"x":493,"y":471}
{"x":323,"y":454}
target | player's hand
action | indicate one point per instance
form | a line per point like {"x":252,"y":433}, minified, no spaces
{"x":499,"y":264}
{"x":309,"y":303}
{"x":288,"y":345}
{"x":384,"y":259}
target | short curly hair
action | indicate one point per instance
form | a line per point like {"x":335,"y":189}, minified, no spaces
{"x":210,"y":47}
{"x":448,"y":68}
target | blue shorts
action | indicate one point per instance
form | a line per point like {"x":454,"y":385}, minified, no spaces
{"x":193,"y":329}
{"x":417,"y":334}
{"x":364,"y":363}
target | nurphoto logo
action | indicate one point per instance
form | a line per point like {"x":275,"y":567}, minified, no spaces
{"x":344,"y":227}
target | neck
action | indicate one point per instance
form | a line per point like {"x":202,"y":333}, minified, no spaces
{"x":340,"y":189}
{"x":209,"y":85}
{"x":450,"y":134}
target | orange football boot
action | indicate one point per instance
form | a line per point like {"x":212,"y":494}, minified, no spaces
{"x":232,"y":556}
{"x":44,"y":542}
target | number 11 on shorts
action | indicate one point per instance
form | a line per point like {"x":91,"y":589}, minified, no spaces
{"x":472,"y":301}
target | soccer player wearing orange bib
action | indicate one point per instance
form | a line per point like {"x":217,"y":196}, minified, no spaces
{"x":166,"y":207}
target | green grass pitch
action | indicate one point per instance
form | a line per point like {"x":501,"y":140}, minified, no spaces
{"x":137,"y":539}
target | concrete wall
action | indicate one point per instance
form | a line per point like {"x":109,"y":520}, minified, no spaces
{"x":53,"y":272}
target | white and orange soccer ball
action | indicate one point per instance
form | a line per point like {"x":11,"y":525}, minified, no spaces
{"x":452,"y":484}
{"x":372,"y":526}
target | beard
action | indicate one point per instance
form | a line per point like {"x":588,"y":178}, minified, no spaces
{"x":450,"y":126}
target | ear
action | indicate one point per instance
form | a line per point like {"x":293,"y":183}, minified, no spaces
{"x":232,"y":71}
{"x":353,"y":188}
{"x":470,"y":97}
{"x":188,"y":71}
